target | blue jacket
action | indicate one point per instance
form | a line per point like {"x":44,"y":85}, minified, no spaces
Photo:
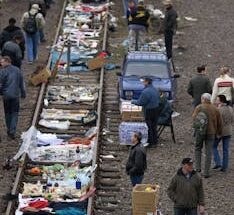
{"x":149,"y":98}
{"x":11,"y":83}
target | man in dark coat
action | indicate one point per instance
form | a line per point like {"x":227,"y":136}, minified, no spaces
{"x":8,"y":34}
{"x":170,"y":25}
{"x":149,"y":100}
{"x":12,"y":49}
{"x":198,"y":85}
{"x":11,"y":88}
{"x":186,"y":190}
{"x":138,"y":22}
{"x":136,"y":164}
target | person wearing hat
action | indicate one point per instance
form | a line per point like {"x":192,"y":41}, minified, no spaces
{"x":149,"y":100}
{"x":170,"y":25}
{"x":32,"y":21}
{"x":42,"y":10}
{"x":186,"y":190}
{"x":137,"y":163}
{"x":213,"y":129}
{"x":138,"y":22}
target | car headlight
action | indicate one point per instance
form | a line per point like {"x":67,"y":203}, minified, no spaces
{"x":128,"y":94}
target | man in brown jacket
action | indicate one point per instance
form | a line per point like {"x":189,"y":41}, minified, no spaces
{"x":214,"y":129}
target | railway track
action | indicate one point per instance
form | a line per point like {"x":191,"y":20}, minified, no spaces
{"x":78,"y":114}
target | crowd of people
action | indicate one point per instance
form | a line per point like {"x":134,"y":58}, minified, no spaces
{"x":14,"y":40}
{"x":212,"y":119}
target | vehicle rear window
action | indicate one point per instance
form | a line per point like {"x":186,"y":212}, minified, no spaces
{"x":157,"y":69}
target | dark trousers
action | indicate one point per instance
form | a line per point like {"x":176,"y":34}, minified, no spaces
{"x":185,"y":211}
{"x":11,"y":110}
{"x":151,"y":119}
{"x":168,"y":43}
{"x":136,"y":179}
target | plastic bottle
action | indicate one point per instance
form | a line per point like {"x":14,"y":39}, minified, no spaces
{"x":78,"y":184}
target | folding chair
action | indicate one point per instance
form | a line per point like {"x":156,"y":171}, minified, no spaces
{"x":168,"y":123}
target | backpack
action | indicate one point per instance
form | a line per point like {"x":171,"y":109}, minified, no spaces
{"x":200,"y":123}
{"x":30,"y":26}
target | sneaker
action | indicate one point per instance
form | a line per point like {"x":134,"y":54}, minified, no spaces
{"x":206,"y":176}
{"x":198,"y":170}
{"x":223,"y":170}
{"x":216,"y":167}
{"x":30,"y":62}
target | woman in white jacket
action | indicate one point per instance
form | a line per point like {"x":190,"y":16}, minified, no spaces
{"x":223,"y":85}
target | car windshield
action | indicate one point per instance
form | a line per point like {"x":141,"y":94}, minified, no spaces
{"x":149,"y":68}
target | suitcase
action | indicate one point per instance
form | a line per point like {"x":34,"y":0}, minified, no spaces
{"x":126,"y":130}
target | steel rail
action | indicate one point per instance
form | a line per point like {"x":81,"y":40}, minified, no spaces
{"x":34,"y":121}
{"x":99,"y":110}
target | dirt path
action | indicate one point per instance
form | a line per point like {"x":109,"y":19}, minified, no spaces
{"x":207,"y":41}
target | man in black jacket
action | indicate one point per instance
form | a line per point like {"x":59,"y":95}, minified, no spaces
{"x":186,"y":190}
{"x":8,"y":34}
{"x":198,"y":85}
{"x":136,"y":164}
{"x":170,"y":25}
{"x":12,"y":49}
{"x":138,"y":22}
{"x":11,"y":88}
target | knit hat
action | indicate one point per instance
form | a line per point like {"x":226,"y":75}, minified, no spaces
{"x":167,"y":2}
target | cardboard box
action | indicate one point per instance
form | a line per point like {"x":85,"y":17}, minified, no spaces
{"x":40,"y":77}
{"x":131,"y":112}
{"x":96,"y":63}
{"x":145,"y":202}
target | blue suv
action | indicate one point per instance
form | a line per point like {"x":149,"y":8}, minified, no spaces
{"x":154,"y":65}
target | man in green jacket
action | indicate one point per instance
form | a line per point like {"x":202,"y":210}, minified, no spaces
{"x":186,"y":190}
{"x":198,"y":85}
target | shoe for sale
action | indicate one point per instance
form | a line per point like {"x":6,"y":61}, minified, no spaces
{"x":216,"y":167}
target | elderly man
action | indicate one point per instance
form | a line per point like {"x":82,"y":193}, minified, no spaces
{"x":210,"y":115}
{"x":170,"y":25}
{"x":136,"y":164}
{"x":149,"y":100}
{"x":186,"y":190}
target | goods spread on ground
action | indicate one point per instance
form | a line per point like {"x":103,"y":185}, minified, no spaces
{"x":61,"y":148}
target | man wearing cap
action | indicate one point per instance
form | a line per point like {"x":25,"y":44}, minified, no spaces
{"x":170,"y":25}
{"x":136,"y":164}
{"x":214,"y":129}
{"x":32,"y":21}
{"x":186,"y":190}
{"x":149,"y":100}
{"x":42,"y":10}
{"x":138,"y":22}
